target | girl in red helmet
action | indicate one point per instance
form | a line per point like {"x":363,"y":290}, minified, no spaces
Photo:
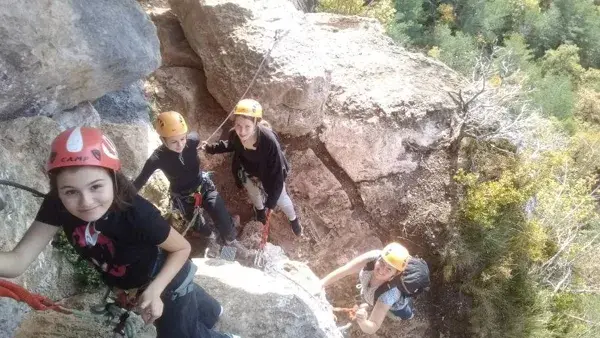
{"x":119,"y":232}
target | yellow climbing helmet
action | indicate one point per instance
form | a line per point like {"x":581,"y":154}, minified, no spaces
{"x":248,"y":107}
{"x":170,"y":123}
{"x":396,"y":255}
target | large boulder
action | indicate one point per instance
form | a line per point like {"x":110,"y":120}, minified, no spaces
{"x":174,"y":47}
{"x":56,"y":54}
{"x":233,"y":37}
{"x":379,"y":111}
{"x":276,"y":303}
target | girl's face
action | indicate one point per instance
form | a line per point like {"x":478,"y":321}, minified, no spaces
{"x":86,"y":192}
{"x":383,"y":271}
{"x":176,"y":143}
{"x":244,"y":128}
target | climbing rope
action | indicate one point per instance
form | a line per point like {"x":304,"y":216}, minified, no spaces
{"x":23,"y":187}
{"x":277,"y":38}
{"x":35,"y":301}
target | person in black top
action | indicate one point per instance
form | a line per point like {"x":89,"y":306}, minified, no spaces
{"x":120,"y":233}
{"x":178,"y":159}
{"x":259,"y":164}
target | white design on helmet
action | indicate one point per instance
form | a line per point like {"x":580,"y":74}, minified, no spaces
{"x":108,"y":147}
{"x":75,"y":141}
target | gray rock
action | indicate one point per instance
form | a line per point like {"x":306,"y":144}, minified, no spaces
{"x":11,"y":313}
{"x":307,"y":6}
{"x":56,"y":54}
{"x":83,"y":114}
{"x":127,"y":105}
{"x":233,"y":37}
{"x":276,"y":303}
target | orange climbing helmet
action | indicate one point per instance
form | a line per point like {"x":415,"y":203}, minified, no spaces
{"x":396,"y":255}
{"x":83,"y":146}
{"x":249,"y":107}
{"x":170,"y":123}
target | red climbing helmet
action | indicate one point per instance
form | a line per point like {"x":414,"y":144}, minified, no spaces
{"x":81,"y":146}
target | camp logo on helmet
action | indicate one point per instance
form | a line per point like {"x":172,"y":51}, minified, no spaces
{"x":74,"y":159}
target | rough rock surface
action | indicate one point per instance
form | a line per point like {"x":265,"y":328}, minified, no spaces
{"x":307,"y":6}
{"x":23,"y":152}
{"x":276,"y":303}
{"x":11,"y":314}
{"x":127,"y":105}
{"x":174,"y":47}
{"x":56,"y":54}
{"x":84,"y":114}
{"x":232,"y":39}
{"x":47,"y":324}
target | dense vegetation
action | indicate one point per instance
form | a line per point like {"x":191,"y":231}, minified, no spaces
{"x":525,"y":242}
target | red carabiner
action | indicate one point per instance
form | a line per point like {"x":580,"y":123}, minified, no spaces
{"x":197,"y":200}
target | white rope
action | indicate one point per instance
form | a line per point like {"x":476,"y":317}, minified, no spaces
{"x":278,"y":37}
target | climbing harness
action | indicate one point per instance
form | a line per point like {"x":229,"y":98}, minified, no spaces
{"x":121,"y":306}
{"x":197,"y":212}
{"x":278,"y":36}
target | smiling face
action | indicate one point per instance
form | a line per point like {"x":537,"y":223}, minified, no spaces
{"x":86,"y":192}
{"x":383,"y":271}
{"x":244,"y":128}
{"x":175,"y":143}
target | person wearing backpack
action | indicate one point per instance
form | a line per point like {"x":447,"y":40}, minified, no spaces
{"x":259,"y":164}
{"x":387,"y":280}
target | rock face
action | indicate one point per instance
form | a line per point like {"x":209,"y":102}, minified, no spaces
{"x":307,"y":6}
{"x":267,"y":304}
{"x":232,"y":39}
{"x":23,"y":152}
{"x":127,"y":105}
{"x":362,"y":119}
{"x":47,"y":324}
{"x":56,"y":54}
{"x":379,"y":111}
{"x":174,"y":47}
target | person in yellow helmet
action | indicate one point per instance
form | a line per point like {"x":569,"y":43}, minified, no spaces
{"x":376,"y":270}
{"x":259,"y":164}
{"x":177,"y":157}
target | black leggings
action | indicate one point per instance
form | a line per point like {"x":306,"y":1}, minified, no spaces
{"x":213,"y":204}
{"x":190,"y":316}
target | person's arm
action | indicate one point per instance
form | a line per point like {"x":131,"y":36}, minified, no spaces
{"x":350,"y":268}
{"x":221,"y":146}
{"x":373,"y":323}
{"x":153,"y":229}
{"x":149,"y":168}
{"x":37,"y":237}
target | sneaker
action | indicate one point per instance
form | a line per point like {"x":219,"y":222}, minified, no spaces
{"x":296,"y":227}
{"x":260,"y":215}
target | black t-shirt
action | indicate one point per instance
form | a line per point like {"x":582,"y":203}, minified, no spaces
{"x":127,"y":247}
{"x":183,"y":172}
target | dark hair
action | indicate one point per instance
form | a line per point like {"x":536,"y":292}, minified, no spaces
{"x":124,"y":191}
